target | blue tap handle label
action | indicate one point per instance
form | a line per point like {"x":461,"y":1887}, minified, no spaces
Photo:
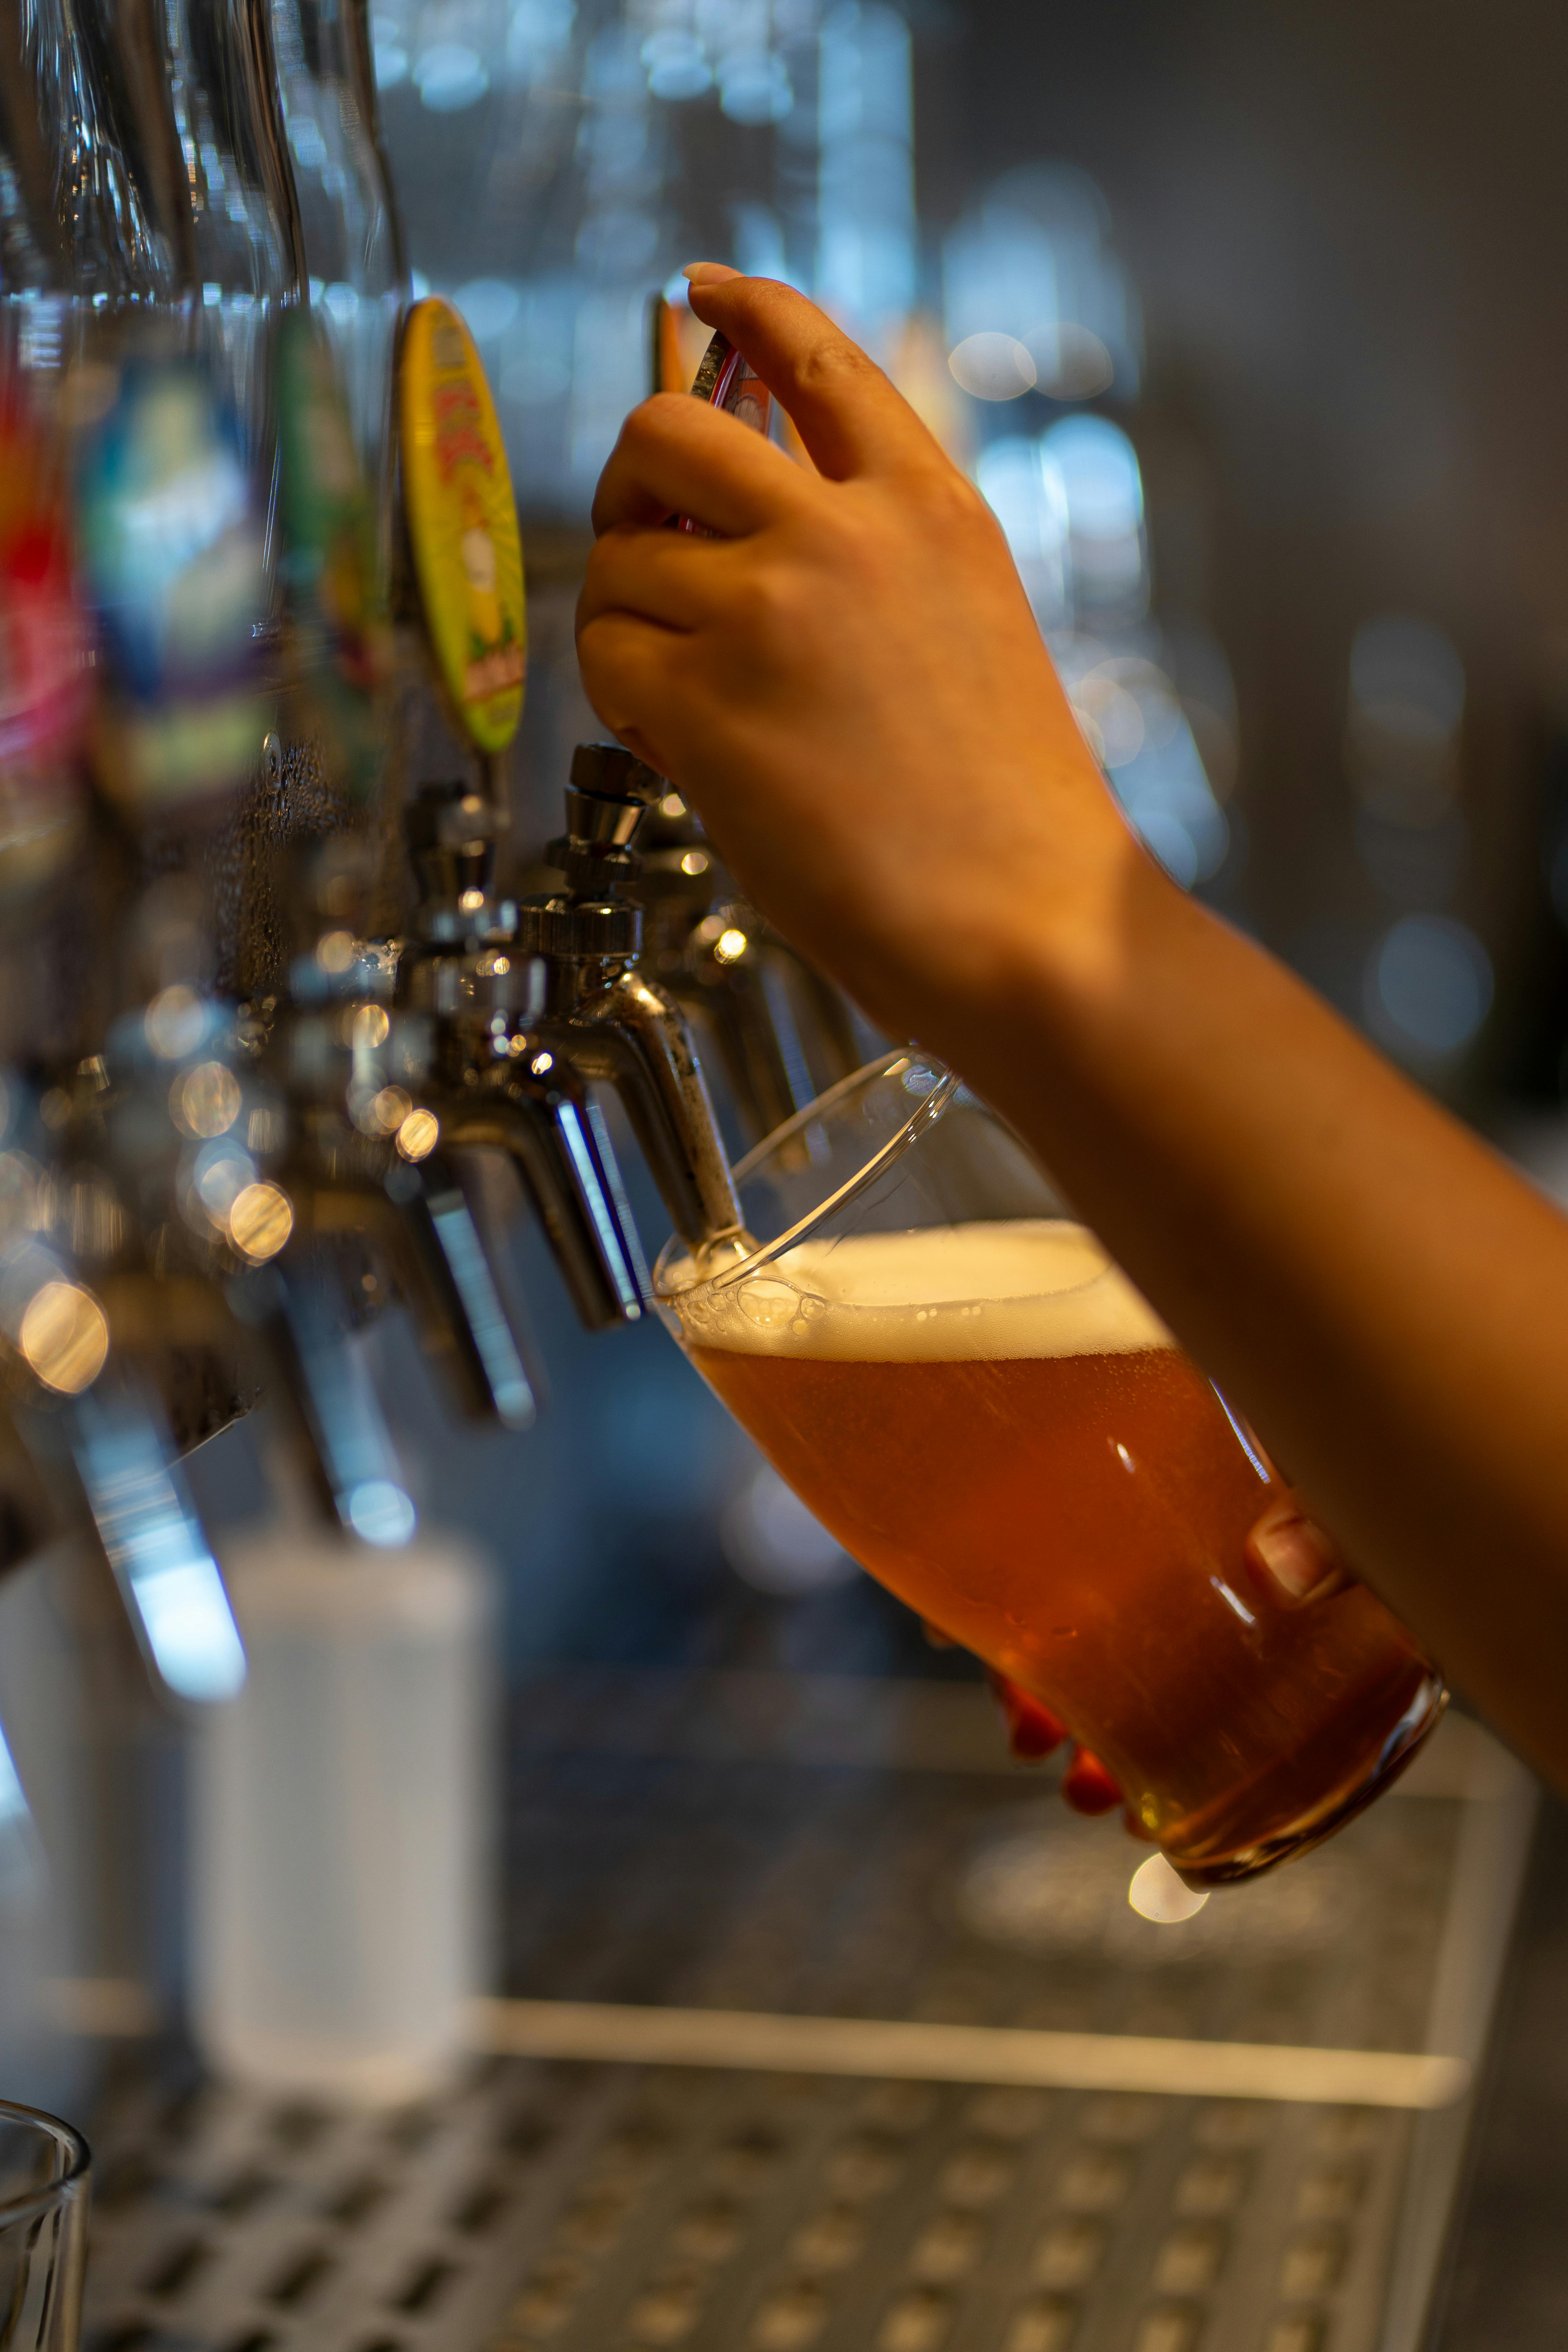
{"x":173,"y":568}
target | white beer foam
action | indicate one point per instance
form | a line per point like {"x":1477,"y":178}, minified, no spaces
{"x":980,"y":1293}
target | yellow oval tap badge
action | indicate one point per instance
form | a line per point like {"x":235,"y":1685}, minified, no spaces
{"x":462,"y":523}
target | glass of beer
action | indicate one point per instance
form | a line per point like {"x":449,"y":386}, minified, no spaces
{"x":951,"y":1371}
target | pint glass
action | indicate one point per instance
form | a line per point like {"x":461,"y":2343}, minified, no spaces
{"x":950,"y":1370}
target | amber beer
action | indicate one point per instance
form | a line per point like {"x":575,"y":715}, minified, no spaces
{"x":992,"y":1420}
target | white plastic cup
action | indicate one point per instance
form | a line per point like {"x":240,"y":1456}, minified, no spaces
{"x":343,"y":1806}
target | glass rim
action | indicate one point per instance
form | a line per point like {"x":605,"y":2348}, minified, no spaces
{"x":33,"y":2202}
{"x":925,"y":1113}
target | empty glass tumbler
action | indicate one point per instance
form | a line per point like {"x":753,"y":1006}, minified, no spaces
{"x":44,"y":2171}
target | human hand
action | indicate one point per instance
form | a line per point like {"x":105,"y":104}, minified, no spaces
{"x":1294,"y":1556}
{"x":1034,"y":1733}
{"x":847,"y":681}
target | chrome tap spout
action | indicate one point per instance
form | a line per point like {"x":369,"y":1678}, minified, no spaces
{"x":617,"y":1025}
{"x":630,"y":1034}
{"x":501,"y":1079}
{"x":352,"y":1471}
{"x":554,"y":1138}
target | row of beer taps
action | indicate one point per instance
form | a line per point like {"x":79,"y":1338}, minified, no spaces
{"x":207,"y":1197}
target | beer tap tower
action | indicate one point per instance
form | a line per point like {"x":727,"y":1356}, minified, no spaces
{"x":259,"y":1173}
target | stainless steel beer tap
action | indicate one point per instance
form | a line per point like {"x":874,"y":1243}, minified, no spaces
{"x":96,"y":1310}
{"x":711,"y":963}
{"x":362,"y":1173}
{"x":781,"y":1033}
{"x":501,"y":1079}
{"x":617,"y":1025}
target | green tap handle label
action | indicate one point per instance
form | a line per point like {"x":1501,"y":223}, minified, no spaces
{"x":341,"y":642}
{"x":462,"y":523}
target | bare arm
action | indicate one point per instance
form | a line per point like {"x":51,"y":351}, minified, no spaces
{"x":850,"y":686}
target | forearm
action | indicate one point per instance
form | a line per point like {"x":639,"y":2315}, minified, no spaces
{"x":1393,"y":1317}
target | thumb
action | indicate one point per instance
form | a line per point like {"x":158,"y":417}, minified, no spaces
{"x":1300,"y":1559}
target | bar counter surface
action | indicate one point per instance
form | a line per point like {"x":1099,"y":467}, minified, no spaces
{"x":1029,"y":2172}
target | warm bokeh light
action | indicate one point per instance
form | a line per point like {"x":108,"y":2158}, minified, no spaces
{"x":335,"y":953}
{"x":368,"y":1028}
{"x":206,"y":1101}
{"x":418,"y":1135}
{"x":64,"y":1337}
{"x":260,"y":1220}
{"x":1158,"y":1893}
{"x":385,"y":1111}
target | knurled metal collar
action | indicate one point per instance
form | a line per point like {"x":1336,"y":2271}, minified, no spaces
{"x":611,"y":769}
{"x":555,"y":927}
{"x":594,"y":870}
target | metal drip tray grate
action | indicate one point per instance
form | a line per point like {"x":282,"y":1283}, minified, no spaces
{"x":850,"y":1851}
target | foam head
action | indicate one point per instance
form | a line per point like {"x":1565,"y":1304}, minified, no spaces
{"x":1019,"y":1288}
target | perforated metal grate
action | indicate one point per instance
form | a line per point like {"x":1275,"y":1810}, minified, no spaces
{"x":725,"y":1846}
